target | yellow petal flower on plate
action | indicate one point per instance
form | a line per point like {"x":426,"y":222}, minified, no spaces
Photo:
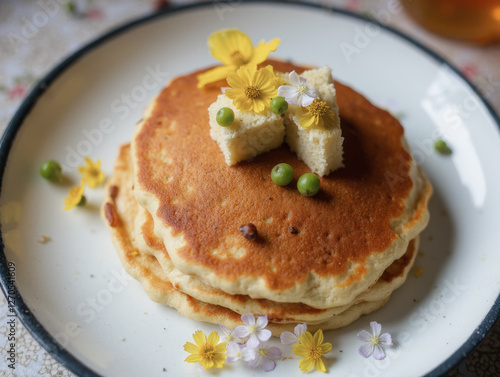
{"x":234,"y":49}
{"x":92,"y":172}
{"x":317,"y":114}
{"x":311,"y":349}
{"x":252,"y":89}
{"x":208,"y":352}
{"x":75,"y":195}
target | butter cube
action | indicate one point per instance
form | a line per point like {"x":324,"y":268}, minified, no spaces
{"x":320,"y":148}
{"x":250,"y":135}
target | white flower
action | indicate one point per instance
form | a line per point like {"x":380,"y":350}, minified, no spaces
{"x":228,"y":334}
{"x":253,"y":330}
{"x":261,"y":356}
{"x":374,"y":342}
{"x":298,"y":93}
{"x":234,"y":352}
{"x":293,"y":338}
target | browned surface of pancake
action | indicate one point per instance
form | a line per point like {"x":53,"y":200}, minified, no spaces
{"x":206,"y":200}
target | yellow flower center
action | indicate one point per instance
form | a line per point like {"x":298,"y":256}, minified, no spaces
{"x":237,"y":58}
{"x":301,"y":88}
{"x":252,"y":92}
{"x":374,"y":340}
{"x":208,"y":351}
{"x":318,"y":108}
{"x":314,"y":353}
{"x":262,"y":352}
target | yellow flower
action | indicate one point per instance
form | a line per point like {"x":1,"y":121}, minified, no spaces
{"x":311,"y":350}
{"x":207,"y":352}
{"x":252,"y":88}
{"x":318,"y":113}
{"x":75,"y":194}
{"x":92,"y":172}
{"x":234,"y":49}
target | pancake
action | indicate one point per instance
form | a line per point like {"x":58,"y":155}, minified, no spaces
{"x":394,"y":276}
{"x":119,"y":212}
{"x":362,"y":220}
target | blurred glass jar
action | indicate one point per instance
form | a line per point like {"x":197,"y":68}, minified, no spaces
{"x":476,"y":21}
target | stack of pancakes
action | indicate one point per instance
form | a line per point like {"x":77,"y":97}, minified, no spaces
{"x":174,"y":209}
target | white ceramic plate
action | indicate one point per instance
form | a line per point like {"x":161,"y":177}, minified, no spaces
{"x":73,"y":288}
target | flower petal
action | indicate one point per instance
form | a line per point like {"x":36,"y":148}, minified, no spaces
{"x":364,"y":336}
{"x":213,"y":338}
{"x":225,"y":42}
{"x":366,"y":350}
{"x":255,"y":363}
{"x":268,"y":365}
{"x":273,"y":353}
{"x":190,"y":347}
{"x":199,"y":338}
{"x":294,"y":79}
{"x":307,"y":339}
{"x":286,"y":91}
{"x":248,"y":319}
{"x":193,"y":358}
{"x":306,"y":364}
{"x":376,"y":328}
{"x":215,"y":74}
{"x":326,"y":347}
{"x":261,"y":322}
{"x":312,"y":92}
{"x":288,"y":338}
{"x":378,"y":352}
{"x":264,"y":335}
{"x":320,"y":365}
{"x":385,"y":339}
{"x":263,"y":49}
{"x":253,"y":341}
{"x":221,"y":348}
{"x":300,"y":350}
{"x":206,"y":363}
{"x":241,"y":331}
{"x":318,"y":337}
{"x":306,"y":100}
{"x":233,"y":347}
{"x":249,"y":354}
{"x":300,"y":329}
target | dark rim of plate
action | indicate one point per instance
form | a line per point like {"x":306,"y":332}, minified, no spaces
{"x":24,"y":313}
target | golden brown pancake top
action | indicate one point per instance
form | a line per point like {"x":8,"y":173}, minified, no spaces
{"x":207,"y":201}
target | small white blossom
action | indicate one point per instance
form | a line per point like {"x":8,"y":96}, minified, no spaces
{"x":298,"y":93}
{"x":228,"y":334}
{"x":293,"y":338}
{"x":374,"y":342}
{"x":262,"y":356}
{"x":234,"y":352}
{"x":254,"y":331}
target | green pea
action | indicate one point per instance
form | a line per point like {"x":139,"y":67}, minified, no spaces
{"x":308,"y":184}
{"x":52,"y":171}
{"x":282,"y":174}
{"x":279,"y":105}
{"x":225,"y":116}
{"x":441,"y":147}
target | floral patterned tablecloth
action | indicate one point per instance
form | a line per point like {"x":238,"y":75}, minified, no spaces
{"x":34,"y":36}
